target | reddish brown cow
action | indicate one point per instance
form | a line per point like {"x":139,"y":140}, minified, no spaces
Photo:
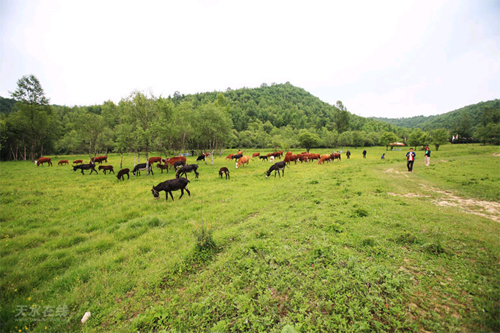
{"x":106,"y":168}
{"x":156,"y":159}
{"x":289,"y":158}
{"x":335,"y":156}
{"x":324,"y":158}
{"x":239,"y":152}
{"x":63,"y":162}
{"x":229,"y":157}
{"x":242,"y":161}
{"x":312,"y":157}
{"x":172,"y":160}
{"x":289,"y":153}
{"x":78,"y":162}
{"x":99,"y":159}
{"x":42,"y":160}
{"x":255,"y":155}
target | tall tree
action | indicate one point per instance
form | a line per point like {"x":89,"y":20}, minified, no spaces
{"x":308,"y":140}
{"x":439,"y":137}
{"x":35,"y":111}
{"x":386,"y":138}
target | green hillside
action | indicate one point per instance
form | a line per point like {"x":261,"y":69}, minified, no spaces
{"x":463,"y":121}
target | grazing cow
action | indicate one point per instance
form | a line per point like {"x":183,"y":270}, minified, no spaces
{"x":242,"y":161}
{"x":236,"y":157}
{"x":169,"y":186}
{"x":82,"y":167}
{"x":201,"y":158}
{"x":225,"y":171}
{"x":63,"y":162}
{"x":162,"y":167}
{"x":122,"y":173}
{"x":263,"y":158}
{"x":99,"y":159}
{"x":230,"y":156}
{"x":172,"y":160}
{"x":42,"y":160}
{"x":141,"y":167}
{"x":277,"y":167}
{"x":155,"y":159}
{"x":187,"y":168}
{"x":179,"y":164}
{"x":106,"y":168}
{"x":289,"y":158}
{"x":288,"y":153}
{"x":324,"y":158}
{"x":335,"y":156}
{"x":255,"y":155}
{"x":312,"y":157}
{"x":78,"y":162}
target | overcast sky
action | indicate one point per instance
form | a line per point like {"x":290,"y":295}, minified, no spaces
{"x":380,"y":58}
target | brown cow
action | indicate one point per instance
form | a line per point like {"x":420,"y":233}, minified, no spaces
{"x":78,"y":162}
{"x":106,"y":168}
{"x":99,"y":159}
{"x":335,"y":156}
{"x":289,"y":158}
{"x":154,"y":159}
{"x":172,"y":160}
{"x":229,"y":157}
{"x":63,"y":162}
{"x":324,"y":158}
{"x":242,"y":161}
{"x":255,"y":155}
{"x":42,"y":160}
{"x":312,"y":157}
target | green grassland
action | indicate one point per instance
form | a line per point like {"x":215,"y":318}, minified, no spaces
{"x":357,"y":245}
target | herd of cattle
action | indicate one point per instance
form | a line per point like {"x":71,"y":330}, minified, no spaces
{"x":181,"y":168}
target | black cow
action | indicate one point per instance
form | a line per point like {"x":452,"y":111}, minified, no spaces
{"x":201,"y":158}
{"x":236,"y":157}
{"x":122,"y":173}
{"x":225,"y":171}
{"x":187,"y":168}
{"x":141,"y":167}
{"x":277,"y":167}
{"x":263,"y":158}
{"x":82,"y":167}
{"x":169,"y":186}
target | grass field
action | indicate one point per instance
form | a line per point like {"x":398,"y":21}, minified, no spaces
{"x":357,"y":245}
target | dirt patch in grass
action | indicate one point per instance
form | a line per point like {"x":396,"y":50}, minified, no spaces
{"x":496,"y":154}
{"x":488,"y":209}
{"x":409,"y":195}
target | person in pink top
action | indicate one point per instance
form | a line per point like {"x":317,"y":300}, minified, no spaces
{"x":410,"y":158}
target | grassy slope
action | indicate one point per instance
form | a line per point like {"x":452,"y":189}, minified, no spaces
{"x":326,"y":248}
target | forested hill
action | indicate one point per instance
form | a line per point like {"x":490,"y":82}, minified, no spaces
{"x":286,"y":105}
{"x":464,"y":120}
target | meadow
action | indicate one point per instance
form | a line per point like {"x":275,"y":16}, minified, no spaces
{"x":359,"y":245}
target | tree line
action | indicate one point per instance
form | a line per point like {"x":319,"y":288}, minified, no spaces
{"x":276,"y":116}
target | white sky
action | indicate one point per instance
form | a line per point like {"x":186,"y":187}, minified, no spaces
{"x":380,"y":58}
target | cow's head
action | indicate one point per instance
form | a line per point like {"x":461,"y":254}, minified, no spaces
{"x":156,"y":194}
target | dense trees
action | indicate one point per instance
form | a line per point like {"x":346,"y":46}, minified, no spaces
{"x":276,"y":116}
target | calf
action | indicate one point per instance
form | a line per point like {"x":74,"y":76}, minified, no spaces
{"x":141,"y":167}
{"x":277,"y":167}
{"x":187,"y":168}
{"x":255,"y":155}
{"x":78,"y":162}
{"x":82,"y":167}
{"x":169,"y":186}
{"x":106,"y":168}
{"x":122,"y":173}
{"x":63,"y":162}
{"x":162,"y":167}
{"x":324,"y":158}
{"x":225,"y":171}
{"x":263,"y":158}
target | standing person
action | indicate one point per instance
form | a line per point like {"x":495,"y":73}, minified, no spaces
{"x":427,"y":156}
{"x":348,"y":154}
{"x":410,"y":158}
{"x":364,"y":153}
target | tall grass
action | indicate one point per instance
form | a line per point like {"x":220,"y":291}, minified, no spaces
{"x":357,"y":245}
